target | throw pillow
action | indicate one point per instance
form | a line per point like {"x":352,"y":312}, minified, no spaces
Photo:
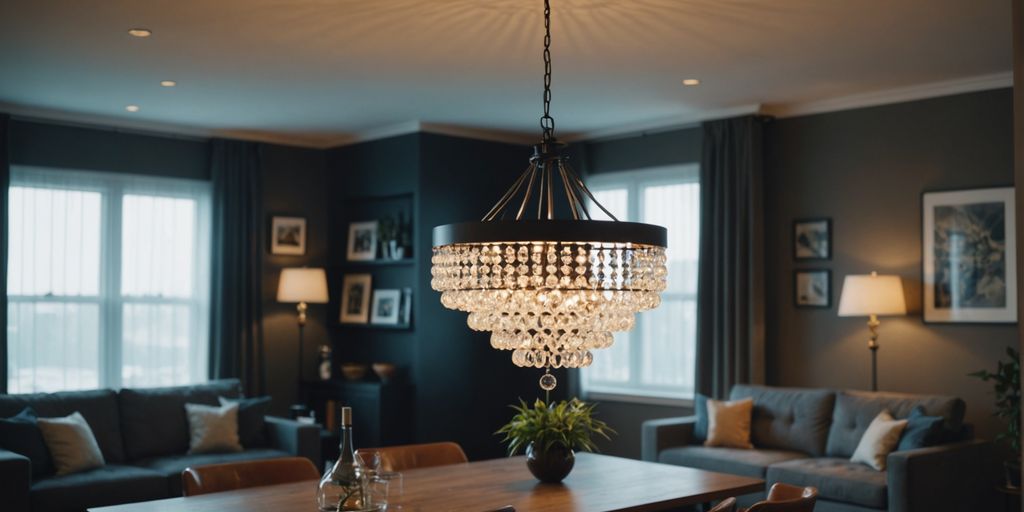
{"x":20,"y":434}
{"x":700,"y":408}
{"x":252,"y":428}
{"x":881,"y":438}
{"x":922,"y":431}
{"x":71,"y":443}
{"x":729,"y":423}
{"x":212,"y":429}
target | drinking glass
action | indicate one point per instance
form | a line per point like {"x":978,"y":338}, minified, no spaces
{"x":369,"y":461}
{"x":394,"y":488}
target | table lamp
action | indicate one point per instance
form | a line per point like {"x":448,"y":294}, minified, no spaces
{"x":302,"y":285}
{"x":872,"y":296}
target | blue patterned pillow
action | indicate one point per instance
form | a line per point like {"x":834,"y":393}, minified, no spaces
{"x":700,"y":408}
{"x":20,"y":434}
{"x":922,"y":431}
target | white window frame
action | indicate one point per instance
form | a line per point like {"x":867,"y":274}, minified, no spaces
{"x":634,"y":182}
{"x":113,"y":187}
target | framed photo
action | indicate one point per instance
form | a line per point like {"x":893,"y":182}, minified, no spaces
{"x":405,"y":316}
{"x":355,"y":298}
{"x":812,"y":239}
{"x":288,"y":235}
{"x":387,"y":306}
{"x":812,"y":288}
{"x":362,"y":241}
{"x":969,"y":270}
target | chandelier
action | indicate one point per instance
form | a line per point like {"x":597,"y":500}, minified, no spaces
{"x":549,"y":289}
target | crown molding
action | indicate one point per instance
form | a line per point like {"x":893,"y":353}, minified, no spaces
{"x":664,"y":124}
{"x":895,"y":95}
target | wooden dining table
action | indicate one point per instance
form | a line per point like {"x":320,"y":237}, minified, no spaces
{"x":598,"y":483}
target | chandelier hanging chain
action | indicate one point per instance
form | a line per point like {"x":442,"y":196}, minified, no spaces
{"x":547,"y":123}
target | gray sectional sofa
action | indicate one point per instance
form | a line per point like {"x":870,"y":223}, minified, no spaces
{"x":144,"y":436}
{"x":806,"y":437}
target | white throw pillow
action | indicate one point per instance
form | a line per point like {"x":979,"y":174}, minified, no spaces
{"x":879,"y":440}
{"x":729,"y":423}
{"x":213,"y":429}
{"x":71,"y":443}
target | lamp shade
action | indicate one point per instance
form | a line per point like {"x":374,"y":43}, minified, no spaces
{"x":872,"y":294}
{"x":303,"y":285}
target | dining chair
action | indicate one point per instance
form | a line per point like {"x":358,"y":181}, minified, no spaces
{"x":787,"y":498}
{"x":412,"y":456}
{"x":726,"y":505}
{"x":196,"y":480}
{"x":506,"y":508}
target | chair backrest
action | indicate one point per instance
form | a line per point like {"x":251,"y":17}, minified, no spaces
{"x":240,"y":475}
{"x":726,"y":505}
{"x":411,"y":456}
{"x":787,"y":498}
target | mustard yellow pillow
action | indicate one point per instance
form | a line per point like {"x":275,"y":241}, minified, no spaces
{"x":729,"y":423}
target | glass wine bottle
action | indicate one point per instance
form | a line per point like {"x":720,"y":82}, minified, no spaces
{"x":342,"y":488}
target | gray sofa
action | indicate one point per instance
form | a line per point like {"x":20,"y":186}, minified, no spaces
{"x":806,"y":437}
{"x":144,"y":436}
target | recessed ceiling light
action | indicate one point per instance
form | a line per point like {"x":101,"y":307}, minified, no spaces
{"x":140,"y":32}
{"x":132,"y":108}
{"x":691,"y":81}
{"x":168,"y":83}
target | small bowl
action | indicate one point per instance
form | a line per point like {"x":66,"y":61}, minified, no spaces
{"x":353,"y":371}
{"x":384,"y":370}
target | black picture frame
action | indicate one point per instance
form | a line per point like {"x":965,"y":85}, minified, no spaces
{"x":797,"y":285}
{"x":799,"y":251}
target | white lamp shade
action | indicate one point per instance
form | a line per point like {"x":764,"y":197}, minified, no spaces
{"x":303,"y":285}
{"x":872,"y":294}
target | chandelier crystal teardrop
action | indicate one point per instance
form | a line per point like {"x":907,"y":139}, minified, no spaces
{"x":550,"y":290}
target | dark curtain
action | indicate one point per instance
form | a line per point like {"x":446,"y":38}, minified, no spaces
{"x":5,"y":181}
{"x":236,"y":332}
{"x":730,"y":296}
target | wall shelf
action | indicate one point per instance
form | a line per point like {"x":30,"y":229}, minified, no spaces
{"x":379,"y":263}
{"x":383,"y":327}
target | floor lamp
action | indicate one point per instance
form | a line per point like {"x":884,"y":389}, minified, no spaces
{"x":302,"y":286}
{"x":872,"y":296}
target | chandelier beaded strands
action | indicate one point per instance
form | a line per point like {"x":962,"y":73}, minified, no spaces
{"x":549,"y":290}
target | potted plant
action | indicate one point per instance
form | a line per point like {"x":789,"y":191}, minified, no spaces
{"x":1006,"y":383}
{"x":550,"y":432}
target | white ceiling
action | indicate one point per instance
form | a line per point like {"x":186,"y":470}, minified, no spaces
{"x":320,"y":72}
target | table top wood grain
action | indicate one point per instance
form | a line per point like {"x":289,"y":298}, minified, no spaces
{"x":597,"y":483}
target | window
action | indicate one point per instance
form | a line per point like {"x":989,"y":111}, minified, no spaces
{"x":656,"y":360}
{"x":107,"y":281}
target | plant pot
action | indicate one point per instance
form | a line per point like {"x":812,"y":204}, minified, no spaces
{"x":550,"y":466}
{"x":1012,"y":468}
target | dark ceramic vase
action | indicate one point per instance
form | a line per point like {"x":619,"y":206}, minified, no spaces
{"x":550,"y":466}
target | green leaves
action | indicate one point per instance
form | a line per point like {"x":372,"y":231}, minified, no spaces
{"x":569,"y":423}
{"x":1006,"y":383}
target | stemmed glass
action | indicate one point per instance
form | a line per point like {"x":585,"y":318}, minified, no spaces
{"x":374,"y":489}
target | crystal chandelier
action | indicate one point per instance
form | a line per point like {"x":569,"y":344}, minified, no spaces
{"x":550,"y":290}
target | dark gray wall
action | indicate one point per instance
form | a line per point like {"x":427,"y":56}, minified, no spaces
{"x":866,"y":169}
{"x":293,"y":185}
{"x":1018,"y":145}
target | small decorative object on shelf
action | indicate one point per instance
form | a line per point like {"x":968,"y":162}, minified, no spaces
{"x":325,"y":362}
{"x":343,"y":487}
{"x":1006,"y":383}
{"x":385,"y":371}
{"x":353,"y":371}
{"x":550,"y":432}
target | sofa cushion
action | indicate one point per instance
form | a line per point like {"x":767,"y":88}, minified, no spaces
{"x":736,"y":461}
{"x":922,"y":431}
{"x":154,"y":422}
{"x":252,"y":427}
{"x":789,"y":418}
{"x":700,"y":409}
{"x":836,"y":480}
{"x":855,"y":410}
{"x":109,"y":485}
{"x":171,"y":466}
{"x":71,"y":443}
{"x":99,"y":407}
{"x":21,"y":434}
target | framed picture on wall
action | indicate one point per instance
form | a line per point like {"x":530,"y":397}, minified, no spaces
{"x":362,"y":241}
{"x":969,"y":255}
{"x":355,"y":298}
{"x":812,"y":288}
{"x":386,"y":307}
{"x":812,"y":239}
{"x":288,"y":235}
